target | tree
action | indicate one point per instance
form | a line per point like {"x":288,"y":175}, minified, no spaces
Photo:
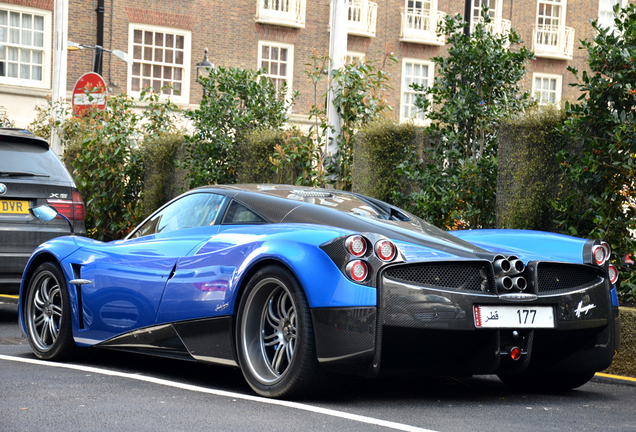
{"x":235,"y":102}
{"x":599,"y":197}
{"x":476,"y":86}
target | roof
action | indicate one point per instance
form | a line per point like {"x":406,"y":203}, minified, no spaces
{"x":17,"y":135}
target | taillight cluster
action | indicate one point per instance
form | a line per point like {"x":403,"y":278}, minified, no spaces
{"x":601,"y":253}
{"x":358,"y":247}
{"x":73,"y":209}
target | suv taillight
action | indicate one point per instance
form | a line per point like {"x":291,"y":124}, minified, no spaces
{"x":73,"y":209}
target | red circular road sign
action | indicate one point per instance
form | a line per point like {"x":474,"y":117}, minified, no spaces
{"x":90,"y":92}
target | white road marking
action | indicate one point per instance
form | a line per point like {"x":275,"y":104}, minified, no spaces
{"x":295,"y":405}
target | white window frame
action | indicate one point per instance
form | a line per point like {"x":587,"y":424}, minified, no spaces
{"x":420,"y":18}
{"x":46,"y":49}
{"x":558,"y":87}
{"x":622,"y":3}
{"x":356,"y":55}
{"x":562,"y":3}
{"x":406,"y":89}
{"x":289,"y":76}
{"x":476,"y":17}
{"x":184,"y":97}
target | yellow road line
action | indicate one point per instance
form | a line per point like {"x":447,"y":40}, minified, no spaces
{"x":615,"y":377}
{"x":10,"y":296}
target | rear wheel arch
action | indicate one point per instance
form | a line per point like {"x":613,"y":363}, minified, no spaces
{"x":302,"y":368}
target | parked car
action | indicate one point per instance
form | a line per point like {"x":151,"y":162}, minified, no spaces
{"x":30,"y":175}
{"x":291,"y":284}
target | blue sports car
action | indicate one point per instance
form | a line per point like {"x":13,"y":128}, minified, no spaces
{"x":295,"y":285}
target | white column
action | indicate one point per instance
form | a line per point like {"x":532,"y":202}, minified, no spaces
{"x":58,"y":81}
{"x":337,"y":54}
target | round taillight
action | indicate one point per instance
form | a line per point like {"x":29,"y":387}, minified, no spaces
{"x":612,"y":272}
{"x":358,"y":270}
{"x":356,"y":245}
{"x":385,"y":250}
{"x":515,"y":353}
{"x":598,"y":254}
{"x":607,"y":249}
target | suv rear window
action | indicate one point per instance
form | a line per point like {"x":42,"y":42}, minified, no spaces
{"x":31,"y":160}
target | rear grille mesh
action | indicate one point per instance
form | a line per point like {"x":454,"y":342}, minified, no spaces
{"x":469,"y":276}
{"x":562,"y":277}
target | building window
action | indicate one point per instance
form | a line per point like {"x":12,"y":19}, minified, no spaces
{"x":355,"y":57}
{"x":418,"y":14}
{"x":161,"y":61}
{"x":550,"y":21}
{"x":494,"y":9}
{"x":25,"y":46}
{"x":606,"y":13}
{"x":546,"y":88}
{"x":414,"y":72}
{"x":278,"y":61}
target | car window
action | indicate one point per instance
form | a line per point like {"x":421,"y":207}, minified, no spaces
{"x":31,"y":161}
{"x":238,"y":214}
{"x":191,"y":211}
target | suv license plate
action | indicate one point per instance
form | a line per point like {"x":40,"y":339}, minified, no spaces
{"x":14,"y":207}
{"x":513,"y":317}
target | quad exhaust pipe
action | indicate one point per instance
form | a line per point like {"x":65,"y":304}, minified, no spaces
{"x":508,"y":273}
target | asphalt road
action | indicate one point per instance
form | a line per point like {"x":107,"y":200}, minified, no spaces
{"x":112,"y":391}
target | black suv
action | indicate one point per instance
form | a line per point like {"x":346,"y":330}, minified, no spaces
{"x":30,"y":175}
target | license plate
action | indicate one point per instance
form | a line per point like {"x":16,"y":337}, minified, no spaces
{"x":14,"y":207}
{"x":513,"y":317}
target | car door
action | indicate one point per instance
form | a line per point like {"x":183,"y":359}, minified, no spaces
{"x":125,"y":279}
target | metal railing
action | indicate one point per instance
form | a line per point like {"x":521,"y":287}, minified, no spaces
{"x":421,"y":27}
{"x":362,"y":17}
{"x":553,"y":42}
{"x":288,"y":13}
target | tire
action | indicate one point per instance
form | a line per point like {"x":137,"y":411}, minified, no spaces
{"x":546,"y":383}
{"x":274,"y":335}
{"x":47,"y":314}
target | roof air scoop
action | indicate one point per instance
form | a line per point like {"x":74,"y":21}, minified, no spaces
{"x":312,"y":193}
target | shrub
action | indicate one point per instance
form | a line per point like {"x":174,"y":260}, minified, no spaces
{"x":256,"y":150}
{"x":600,"y":175}
{"x":475,"y":88}
{"x":380,"y":147}
{"x":528,"y":173}
{"x":108,"y":170}
{"x":103,"y":152}
{"x":163,"y":178}
{"x":296,"y":160}
{"x":235,"y":102}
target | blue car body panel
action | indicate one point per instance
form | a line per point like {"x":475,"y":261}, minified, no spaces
{"x":527,"y":245}
{"x":206,"y":283}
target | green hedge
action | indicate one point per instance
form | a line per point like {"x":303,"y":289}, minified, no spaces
{"x":528,"y":171}
{"x":625,"y":361}
{"x":163,"y":178}
{"x":255,"y":151}
{"x":380,"y":147}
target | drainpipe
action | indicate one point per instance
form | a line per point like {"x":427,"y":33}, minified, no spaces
{"x":99,"y":43}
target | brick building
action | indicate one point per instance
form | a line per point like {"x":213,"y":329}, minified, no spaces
{"x":167,"y":39}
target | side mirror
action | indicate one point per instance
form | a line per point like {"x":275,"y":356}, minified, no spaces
{"x":47,"y":213}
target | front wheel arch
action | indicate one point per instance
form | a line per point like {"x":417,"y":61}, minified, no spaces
{"x":46,"y":312}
